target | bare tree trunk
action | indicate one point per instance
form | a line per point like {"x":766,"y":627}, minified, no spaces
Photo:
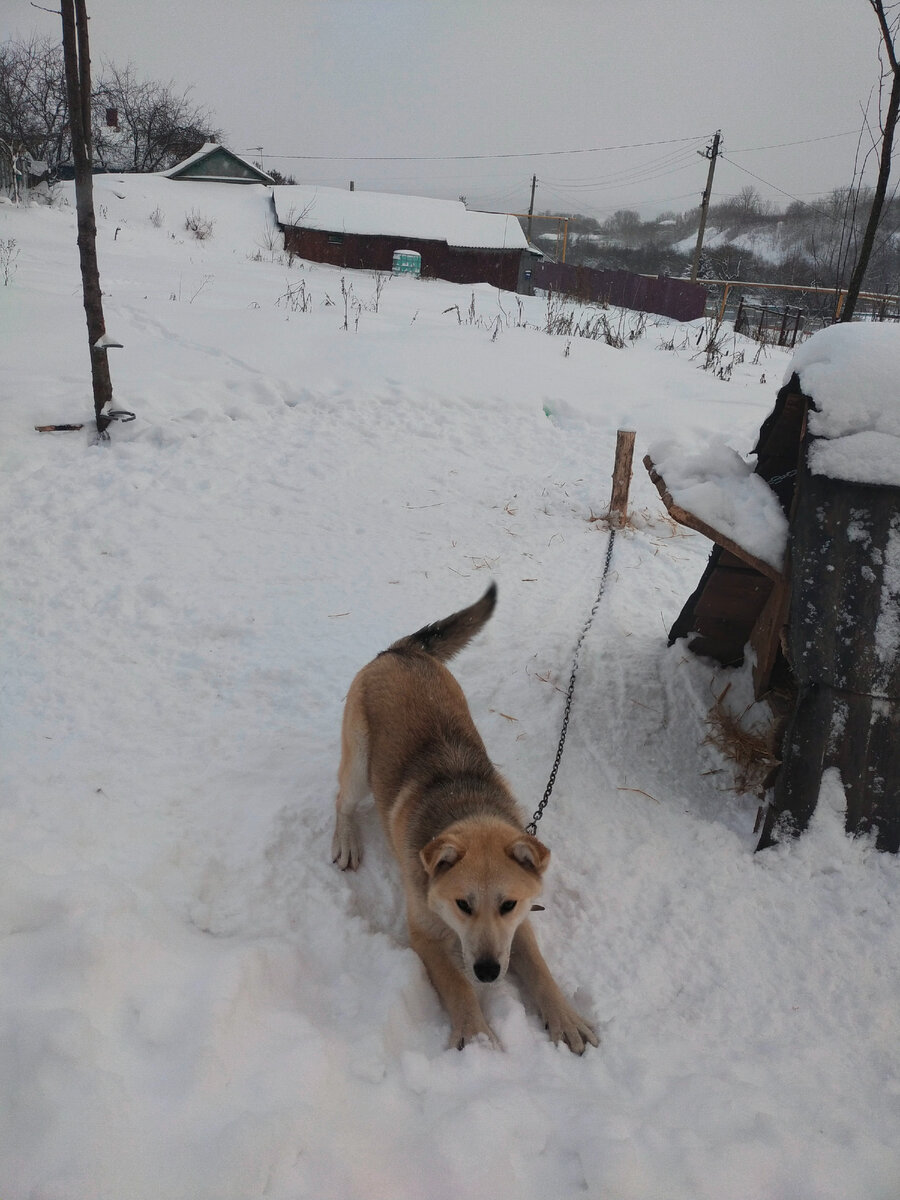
{"x":78,"y":83}
{"x":888,"y":33}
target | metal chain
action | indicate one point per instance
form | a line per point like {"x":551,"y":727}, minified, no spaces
{"x":781,"y":478}
{"x":531,"y":827}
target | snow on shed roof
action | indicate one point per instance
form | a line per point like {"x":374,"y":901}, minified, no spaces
{"x":720,"y":487}
{"x":337,"y":210}
{"x":852,"y":373}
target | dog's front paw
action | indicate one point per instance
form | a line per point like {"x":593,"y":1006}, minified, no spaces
{"x":564,"y":1024}
{"x":473,"y":1029}
{"x":345,"y":847}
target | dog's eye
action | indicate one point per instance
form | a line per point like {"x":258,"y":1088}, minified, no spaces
{"x":506,"y":907}
{"x":464,"y":906}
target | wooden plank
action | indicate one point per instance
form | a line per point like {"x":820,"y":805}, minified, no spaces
{"x":766,"y":636}
{"x":726,"y":649}
{"x":733,"y":563}
{"x":739,"y":595}
{"x":725,"y":613}
{"x":727,"y":577}
{"x":683,"y":517}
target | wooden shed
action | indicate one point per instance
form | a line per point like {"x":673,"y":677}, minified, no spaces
{"x":362,"y":230}
{"x":213,"y":163}
{"x":824,"y":624}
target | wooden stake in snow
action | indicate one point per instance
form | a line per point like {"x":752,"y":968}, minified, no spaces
{"x":77,"y":59}
{"x":618,"y":505}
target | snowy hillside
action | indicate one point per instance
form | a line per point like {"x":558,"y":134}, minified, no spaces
{"x":801,"y":246}
{"x":194,"y":1003}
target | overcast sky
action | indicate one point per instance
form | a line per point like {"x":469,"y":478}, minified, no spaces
{"x":479,"y":95}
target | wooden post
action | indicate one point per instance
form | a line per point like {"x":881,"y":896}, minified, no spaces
{"x":712,"y":153}
{"x":724,"y":302}
{"x":531,"y":208}
{"x":77,"y":60}
{"x":618,"y":505}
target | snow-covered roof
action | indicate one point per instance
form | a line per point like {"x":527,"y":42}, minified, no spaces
{"x":852,"y":373}
{"x":206,"y":151}
{"x":337,"y":210}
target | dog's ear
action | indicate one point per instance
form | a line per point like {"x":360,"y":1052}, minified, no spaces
{"x":529,"y":853}
{"x":441,"y":853}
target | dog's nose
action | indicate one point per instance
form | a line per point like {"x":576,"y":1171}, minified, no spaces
{"x":487,"y":970}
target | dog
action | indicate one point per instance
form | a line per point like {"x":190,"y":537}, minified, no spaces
{"x":470,"y":870}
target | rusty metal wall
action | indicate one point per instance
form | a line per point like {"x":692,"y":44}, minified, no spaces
{"x":676,"y":298}
{"x":500,"y":268}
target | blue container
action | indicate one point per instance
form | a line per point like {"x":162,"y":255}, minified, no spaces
{"x":407,"y":262}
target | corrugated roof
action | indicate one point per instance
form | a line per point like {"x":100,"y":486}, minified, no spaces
{"x":336,"y":210}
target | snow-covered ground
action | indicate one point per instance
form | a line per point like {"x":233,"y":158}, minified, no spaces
{"x":194,"y":1003}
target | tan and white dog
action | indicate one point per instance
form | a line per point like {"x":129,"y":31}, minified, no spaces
{"x":470,"y":870}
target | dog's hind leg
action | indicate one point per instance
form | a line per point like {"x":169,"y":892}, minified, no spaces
{"x":353,"y":786}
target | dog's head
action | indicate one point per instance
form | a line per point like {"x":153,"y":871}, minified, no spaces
{"x":483,"y":876}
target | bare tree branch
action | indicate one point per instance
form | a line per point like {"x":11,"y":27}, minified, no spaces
{"x":888,"y":22}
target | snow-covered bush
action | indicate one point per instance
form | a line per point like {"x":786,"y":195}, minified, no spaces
{"x":199,"y":226}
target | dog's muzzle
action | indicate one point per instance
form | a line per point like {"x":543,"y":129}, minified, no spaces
{"x":486,"y":970}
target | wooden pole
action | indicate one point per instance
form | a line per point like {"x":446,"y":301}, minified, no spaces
{"x":712,"y":153}
{"x":531,"y":207}
{"x":77,"y":60}
{"x":618,"y":505}
{"x":724,"y":302}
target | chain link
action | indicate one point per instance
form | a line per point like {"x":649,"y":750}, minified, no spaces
{"x":531,"y":827}
{"x":781,"y":478}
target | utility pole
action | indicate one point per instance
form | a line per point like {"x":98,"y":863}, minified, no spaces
{"x":77,"y":59}
{"x":531,"y":206}
{"x":712,"y":153}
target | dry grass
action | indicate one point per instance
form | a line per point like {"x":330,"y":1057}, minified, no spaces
{"x":752,"y":754}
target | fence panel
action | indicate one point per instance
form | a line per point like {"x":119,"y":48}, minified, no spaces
{"x":677,"y":298}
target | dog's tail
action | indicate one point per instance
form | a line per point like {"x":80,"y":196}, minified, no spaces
{"x":445,"y":638}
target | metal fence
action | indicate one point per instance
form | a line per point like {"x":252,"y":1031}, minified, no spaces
{"x":821,"y":304}
{"x":677,"y":298}
{"x":769,"y":323}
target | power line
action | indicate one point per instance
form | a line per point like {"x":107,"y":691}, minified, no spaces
{"x":803,"y":142}
{"x":682,"y":153}
{"x":469,"y":157}
{"x":539,"y":153}
{"x":776,"y":188}
{"x":671,"y":163}
{"x":639,"y":173}
{"x":627,"y":181}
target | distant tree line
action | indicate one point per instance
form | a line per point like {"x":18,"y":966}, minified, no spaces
{"x":747,"y":238}
{"x":137,"y":124}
